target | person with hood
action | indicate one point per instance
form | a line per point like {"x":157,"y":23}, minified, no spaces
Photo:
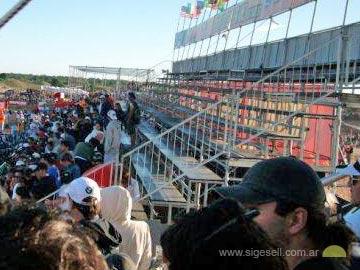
{"x":112,"y":139}
{"x":116,"y":205}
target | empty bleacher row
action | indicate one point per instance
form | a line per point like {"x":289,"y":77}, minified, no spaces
{"x":270,"y":116}
{"x":163,"y":160}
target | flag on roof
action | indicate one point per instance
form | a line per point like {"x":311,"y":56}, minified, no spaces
{"x":186,"y":11}
{"x":183,"y":10}
{"x":200,"y":4}
{"x":216,"y":4}
{"x":195,"y":11}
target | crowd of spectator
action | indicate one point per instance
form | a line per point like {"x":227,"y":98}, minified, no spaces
{"x":278,"y":208}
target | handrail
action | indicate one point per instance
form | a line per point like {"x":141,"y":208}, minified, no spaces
{"x":171,"y":129}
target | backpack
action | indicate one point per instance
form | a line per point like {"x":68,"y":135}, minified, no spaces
{"x":137,"y":114}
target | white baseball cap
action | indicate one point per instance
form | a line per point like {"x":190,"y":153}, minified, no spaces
{"x":33,"y":167}
{"x":112,"y":115}
{"x":83,"y":187}
{"x":36,"y":155}
{"x":19,"y":163}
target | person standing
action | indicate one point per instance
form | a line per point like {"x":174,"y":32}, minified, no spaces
{"x":104,"y":108}
{"x":112,"y":138}
{"x":2,"y":118}
{"x":132,"y":118}
{"x":116,"y":206}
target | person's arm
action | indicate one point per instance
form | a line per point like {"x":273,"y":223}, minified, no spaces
{"x":136,"y":189}
{"x":108,"y":139}
{"x":130,"y":114}
{"x":146,"y":257}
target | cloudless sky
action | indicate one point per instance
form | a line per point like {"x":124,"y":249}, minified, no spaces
{"x":49,"y":35}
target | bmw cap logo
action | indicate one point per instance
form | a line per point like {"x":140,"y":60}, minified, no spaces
{"x":88,"y":190}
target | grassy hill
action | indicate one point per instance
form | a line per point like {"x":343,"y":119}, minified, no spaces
{"x":29,"y":81}
{"x":18,"y":85}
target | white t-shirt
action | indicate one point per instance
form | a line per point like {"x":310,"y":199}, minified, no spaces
{"x":14,"y":195}
{"x":93,"y":134}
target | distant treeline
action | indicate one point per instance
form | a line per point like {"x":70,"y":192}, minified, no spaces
{"x":91,"y":84}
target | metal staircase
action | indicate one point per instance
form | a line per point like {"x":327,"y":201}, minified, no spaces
{"x":246,"y":124}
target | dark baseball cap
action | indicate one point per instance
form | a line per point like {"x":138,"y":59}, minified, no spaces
{"x":284,"y":178}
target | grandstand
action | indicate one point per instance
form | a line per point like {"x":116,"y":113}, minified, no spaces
{"x":222,"y":109}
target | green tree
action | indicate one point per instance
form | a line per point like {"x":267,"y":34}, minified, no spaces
{"x":55,"y":82}
{"x":2,"y":76}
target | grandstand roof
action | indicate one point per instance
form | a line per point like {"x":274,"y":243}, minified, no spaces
{"x":115,"y":71}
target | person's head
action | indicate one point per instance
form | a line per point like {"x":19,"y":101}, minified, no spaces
{"x":50,"y":144}
{"x":67,"y":159}
{"x":131,"y":96}
{"x":116,"y":203}
{"x":85,"y":196}
{"x":289,"y":196}
{"x":94,"y":142}
{"x":33,"y":237}
{"x":125,"y":179}
{"x":49,"y":158}
{"x":41,"y":170}
{"x":353,"y":171}
{"x":17,"y":175}
{"x":98,"y":126}
{"x":199,"y":238}
{"x":20,"y":164}
{"x":355,"y":190}
{"x":87,"y":119}
{"x":64,"y":146}
{"x":111,"y":114}
{"x":291,"y":201}
{"x":120,"y":261}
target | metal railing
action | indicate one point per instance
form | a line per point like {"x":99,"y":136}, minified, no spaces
{"x":277,"y":109}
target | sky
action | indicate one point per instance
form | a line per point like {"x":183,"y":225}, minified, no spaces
{"x":48,"y":36}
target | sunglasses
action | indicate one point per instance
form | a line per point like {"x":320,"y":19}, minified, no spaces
{"x":354,"y":180}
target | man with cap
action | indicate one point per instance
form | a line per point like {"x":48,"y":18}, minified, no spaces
{"x":290,"y":198}
{"x":85,"y":198}
{"x":42,"y":185}
{"x":112,"y":138}
{"x":104,"y":107}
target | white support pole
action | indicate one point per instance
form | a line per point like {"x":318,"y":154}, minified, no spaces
{"x":13,"y":11}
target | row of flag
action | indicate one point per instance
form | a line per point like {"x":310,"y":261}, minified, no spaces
{"x":194,"y":10}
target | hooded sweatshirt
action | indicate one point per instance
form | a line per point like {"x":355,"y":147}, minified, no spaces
{"x":116,"y":205}
{"x":112,"y":137}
